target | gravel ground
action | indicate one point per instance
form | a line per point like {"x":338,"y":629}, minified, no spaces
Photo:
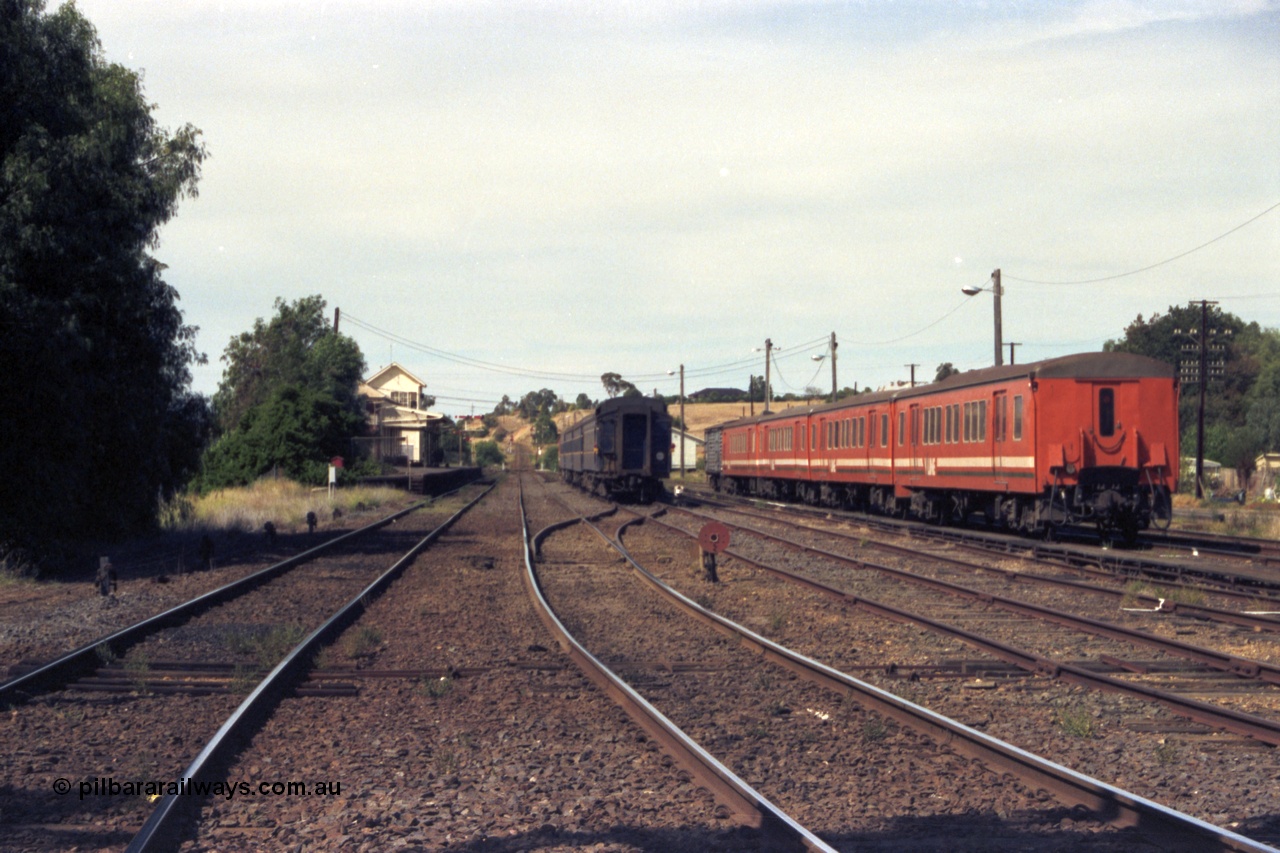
{"x":515,"y":751}
{"x":471,"y":730}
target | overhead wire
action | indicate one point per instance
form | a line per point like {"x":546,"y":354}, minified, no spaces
{"x":1168,"y":260}
{"x":789,"y":352}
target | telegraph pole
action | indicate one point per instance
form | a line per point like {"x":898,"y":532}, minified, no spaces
{"x":1011,"y":345}
{"x":1201,"y":370}
{"x":768,"y":361}
{"x":833,"y":366}
{"x":683,"y":428}
{"x":913,"y":373}
{"x":337,"y":315}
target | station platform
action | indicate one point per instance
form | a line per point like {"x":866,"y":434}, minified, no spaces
{"x":426,"y":481}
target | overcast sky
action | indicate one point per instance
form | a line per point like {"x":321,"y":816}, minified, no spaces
{"x":509,"y":196}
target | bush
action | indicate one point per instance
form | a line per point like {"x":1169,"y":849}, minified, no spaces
{"x":487,"y":454}
{"x":297,"y":430}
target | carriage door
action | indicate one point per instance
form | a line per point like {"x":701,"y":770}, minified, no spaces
{"x":635,"y":440}
{"x":1115,"y":407}
{"x":999,"y":436}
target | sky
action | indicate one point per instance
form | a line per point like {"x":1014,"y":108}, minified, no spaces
{"x":510,"y":196}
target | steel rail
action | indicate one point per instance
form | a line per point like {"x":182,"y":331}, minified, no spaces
{"x":750,"y":806}
{"x":1106,"y":802}
{"x":1196,"y":611}
{"x":164,"y":829}
{"x":1213,"y":614}
{"x":1125,"y":565}
{"x":64,"y":669}
{"x":1248,"y":725}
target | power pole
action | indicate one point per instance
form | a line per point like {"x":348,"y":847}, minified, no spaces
{"x":1011,"y":345}
{"x":913,"y":373}
{"x":337,"y":315}
{"x":683,"y":428}
{"x":768,"y":360}
{"x":833,"y":366}
{"x":1201,"y":370}
{"x":751,"y":393}
{"x":996,"y":292}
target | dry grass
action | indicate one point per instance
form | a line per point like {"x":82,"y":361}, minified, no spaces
{"x":282,"y":502}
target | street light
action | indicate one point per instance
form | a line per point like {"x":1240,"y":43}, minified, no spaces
{"x":996,"y":291}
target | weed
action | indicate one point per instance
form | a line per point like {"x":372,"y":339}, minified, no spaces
{"x":1186,"y":595}
{"x":1166,"y":752}
{"x":362,"y":642}
{"x":74,"y":715}
{"x":1133,"y":591}
{"x":105,"y":653}
{"x":244,"y":679}
{"x":285,"y":502}
{"x":874,"y":729}
{"x":1077,"y":722}
{"x":138,"y":669}
{"x":436,"y":688}
{"x":777,"y":622}
{"x":268,"y":647}
{"x":446,"y":761}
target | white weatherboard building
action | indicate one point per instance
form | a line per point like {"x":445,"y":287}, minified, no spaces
{"x":692,"y":450}
{"x":399,"y":423}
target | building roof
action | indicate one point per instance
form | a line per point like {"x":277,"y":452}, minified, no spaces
{"x":393,"y":366}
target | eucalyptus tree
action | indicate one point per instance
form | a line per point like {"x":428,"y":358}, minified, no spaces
{"x":98,"y":418}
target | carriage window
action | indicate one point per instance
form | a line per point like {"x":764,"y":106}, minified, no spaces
{"x":1106,"y":412}
{"x":884,"y":430}
{"x":1017,"y":417}
{"x":1000,"y":417}
{"x":902,"y":428}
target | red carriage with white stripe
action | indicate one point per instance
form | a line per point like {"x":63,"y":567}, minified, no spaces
{"x":1090,"y":437}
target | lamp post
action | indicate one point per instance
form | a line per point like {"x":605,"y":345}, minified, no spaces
{"x":996,"y":291}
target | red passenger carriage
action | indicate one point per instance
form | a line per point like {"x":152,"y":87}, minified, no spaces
{"x":1090,"y":437}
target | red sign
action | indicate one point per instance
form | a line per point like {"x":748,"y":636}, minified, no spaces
{"x":336,"y":462}
{"x":714,"y":537}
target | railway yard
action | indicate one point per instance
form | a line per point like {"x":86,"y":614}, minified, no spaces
{"x":892,"y":690}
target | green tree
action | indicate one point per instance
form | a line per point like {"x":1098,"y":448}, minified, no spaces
{"x":488,"y":454}
{"x":94,"y":355}
{"x":296,"y":347}
{"x":583,"y":402}
{"x":615,"y":385}
{"x":296,"y":430}
{"x":1164,"y":337}
{"x":536,"y":403}
{"x":944,"y":370}
{"x":544,"y":429}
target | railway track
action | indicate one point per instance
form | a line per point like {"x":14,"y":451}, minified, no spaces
{"x":471,"y":731}
{"x":447,"y":717}
{"x":118,"y":758}
{"x":582,"y":586}
{"x":1232,"y":564}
